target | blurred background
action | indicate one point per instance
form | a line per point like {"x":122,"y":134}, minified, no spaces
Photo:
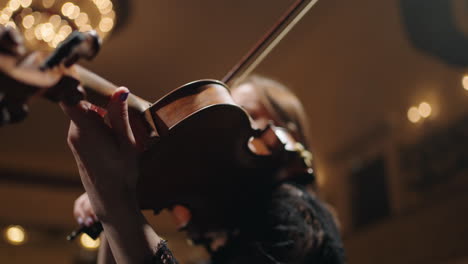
{"x":385,"y":85}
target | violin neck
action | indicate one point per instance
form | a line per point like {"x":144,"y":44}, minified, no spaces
{"x":99,"y":90}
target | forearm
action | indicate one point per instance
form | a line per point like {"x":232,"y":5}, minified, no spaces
{"x":130,"y":237}
{"x":105,"y":254}
{"x":107,"y":160}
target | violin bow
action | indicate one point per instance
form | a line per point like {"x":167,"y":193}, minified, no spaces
{"x":270,"y":40}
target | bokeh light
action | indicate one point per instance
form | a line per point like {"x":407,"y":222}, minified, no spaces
{"x":465,"y":82}
{"x":88,"y":243}
{"x":42,"y":21}
{"x":15,"y":235}
{"x":425,"y":109}
{"x":413,"y":115}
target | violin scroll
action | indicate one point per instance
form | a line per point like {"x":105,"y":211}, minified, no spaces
{"x":11,"y":42}
{"x":76,"y":46}
{"x":13,"y":108}
{"x":24,"y":75}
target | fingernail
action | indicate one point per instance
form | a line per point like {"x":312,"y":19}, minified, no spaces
{"x":89,"y":221}
{"x":84,"y":105}
{"x":123,"y":96}
{"x":79,"y":220}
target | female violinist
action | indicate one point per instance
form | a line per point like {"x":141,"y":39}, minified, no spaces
{"x":279,"y":221}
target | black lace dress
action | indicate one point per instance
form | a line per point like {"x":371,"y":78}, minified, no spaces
{"x":295,"y":227}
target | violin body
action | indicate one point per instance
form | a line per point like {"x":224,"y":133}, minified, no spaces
{"x":203,"y":135}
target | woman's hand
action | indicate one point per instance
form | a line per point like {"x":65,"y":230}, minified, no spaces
{"x":83,"y":211}
{"x":105,"y":154}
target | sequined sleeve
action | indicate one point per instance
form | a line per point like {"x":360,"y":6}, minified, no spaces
{"x":164,"y":255}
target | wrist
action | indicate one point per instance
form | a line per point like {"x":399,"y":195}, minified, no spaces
{"x":112,"y":210}
{"x":130,"y":237}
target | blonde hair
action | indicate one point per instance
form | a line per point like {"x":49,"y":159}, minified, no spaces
{"x":286,"y":109}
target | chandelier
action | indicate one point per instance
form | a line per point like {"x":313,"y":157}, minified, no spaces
{"x":46,"y":23}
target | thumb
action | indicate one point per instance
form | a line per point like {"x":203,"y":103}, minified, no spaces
{"x":118,"y":116}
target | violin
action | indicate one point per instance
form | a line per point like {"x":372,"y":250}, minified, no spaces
{"x":197,"y":129}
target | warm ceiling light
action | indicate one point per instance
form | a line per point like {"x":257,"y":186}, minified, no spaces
{"x":76,"y":12}
{"x":413,"y":115}
{"x":42,"y":22}
{"x":88,"y":243}
{"x":15,"y":235}
{"x":28,"y":21}
{"x":81,"y":19}
{"x":465,"y":82}
{"x":425,"y":109}
{"x":55,"y":20}
{"x":25,"y":3}
{"x":48,"y":3}
{"x":67,"y":9}
{"x":106,"y":24}
{"x":14,"y":5}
